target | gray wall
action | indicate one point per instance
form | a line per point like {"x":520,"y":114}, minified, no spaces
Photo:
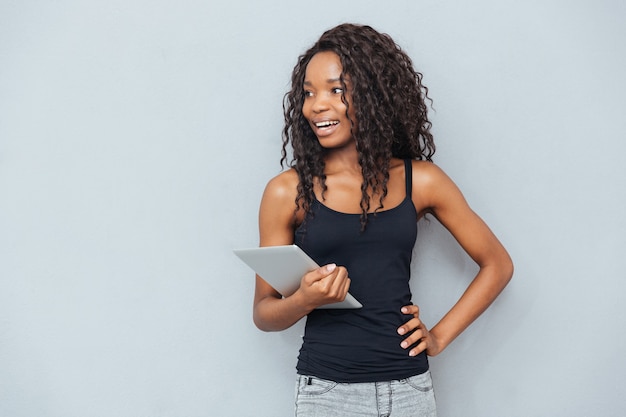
{"x":136,"y":138}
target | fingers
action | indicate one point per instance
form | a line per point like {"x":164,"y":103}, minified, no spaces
{"x":413,"y":323}
{"x":329,"y":283}
{"x":418,"y":335}
{"x":319,"y":273}
{"x":415,"y":330}
{"x":409,"y":326}
{"x":411,"y":309}
{"x":421,"y":346}
{"x":322,"y":277}
{"x":337,"y":284}
{"x":417,"y":341}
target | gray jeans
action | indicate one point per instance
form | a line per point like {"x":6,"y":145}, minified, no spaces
{"x":411,"y":397}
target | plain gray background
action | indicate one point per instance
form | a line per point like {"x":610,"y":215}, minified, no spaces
{"x":136,"y":138}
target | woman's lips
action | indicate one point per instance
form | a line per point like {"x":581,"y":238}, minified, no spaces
{"x":325,"y":128}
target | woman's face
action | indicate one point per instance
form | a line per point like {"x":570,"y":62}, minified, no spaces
{"x":323,"y":106}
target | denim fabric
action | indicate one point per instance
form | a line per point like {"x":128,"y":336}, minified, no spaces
{"x":411,"y":397}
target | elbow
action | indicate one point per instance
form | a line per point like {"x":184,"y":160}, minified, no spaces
{"x":500,"y":269}
{"x":262,"y":322}
{"x":258,"y":321}
{"x":507,"y":269}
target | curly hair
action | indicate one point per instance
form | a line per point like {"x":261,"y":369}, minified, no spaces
{"x":389,"y":102}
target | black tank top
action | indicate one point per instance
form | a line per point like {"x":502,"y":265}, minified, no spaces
{"x":362,"y":345}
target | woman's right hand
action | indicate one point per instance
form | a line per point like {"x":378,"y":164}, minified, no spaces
{"x":324,"y":285}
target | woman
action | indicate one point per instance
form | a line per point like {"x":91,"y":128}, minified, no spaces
{"x":360,"y":177}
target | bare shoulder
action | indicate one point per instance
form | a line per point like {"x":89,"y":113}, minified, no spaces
{"x":277,"y":214}
{"x":282,"y":187}
{"x":427,"y":171}
{"x":428,"y":176}
{"x":281,"y":192}
{"x":284,"y":181}
{"x":432,"y":187}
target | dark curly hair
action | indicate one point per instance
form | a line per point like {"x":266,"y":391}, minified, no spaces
{"x":389,"y":102}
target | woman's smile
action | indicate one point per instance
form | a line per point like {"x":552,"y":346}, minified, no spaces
{"x":325,"y":127}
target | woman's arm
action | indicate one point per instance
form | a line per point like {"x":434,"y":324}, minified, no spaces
{"x":435,"y":193}
{"x":277,"y":222}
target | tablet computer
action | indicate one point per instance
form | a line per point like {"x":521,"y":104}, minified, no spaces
{"x":283,"y":267}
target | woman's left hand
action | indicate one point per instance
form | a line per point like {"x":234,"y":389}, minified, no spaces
{"x":419,"y":338}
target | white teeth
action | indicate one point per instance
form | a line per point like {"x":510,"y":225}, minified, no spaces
{"x":327,"y":123}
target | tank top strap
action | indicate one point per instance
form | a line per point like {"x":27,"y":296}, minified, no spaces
{"x":408,"y":175}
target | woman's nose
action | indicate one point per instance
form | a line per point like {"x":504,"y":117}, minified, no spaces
{"x":320,"y":103}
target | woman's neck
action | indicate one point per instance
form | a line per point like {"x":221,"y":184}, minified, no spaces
{"x":342,"y":160}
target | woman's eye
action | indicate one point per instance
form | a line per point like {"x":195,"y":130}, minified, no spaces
{"x":337,"y":90}
{"x":308,"y":94}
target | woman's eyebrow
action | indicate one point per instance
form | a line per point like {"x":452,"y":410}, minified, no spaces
{"x":328,"y":81}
